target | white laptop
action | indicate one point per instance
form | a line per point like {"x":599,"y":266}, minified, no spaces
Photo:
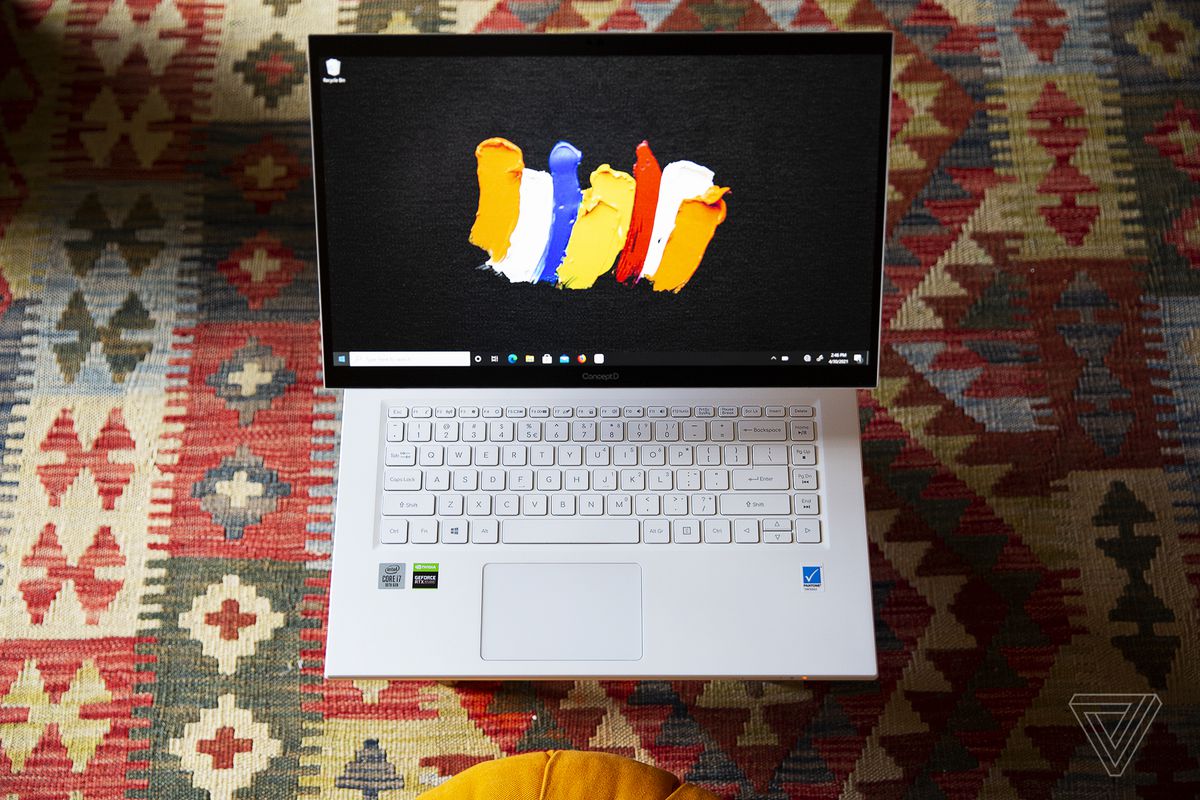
{"x":600,"y":303}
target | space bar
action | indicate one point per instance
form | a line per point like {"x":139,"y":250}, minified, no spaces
{"x":569,"y":531}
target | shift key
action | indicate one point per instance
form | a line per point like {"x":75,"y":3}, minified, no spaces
{"x":407,"y":505}
{"x":761,"y":478}
{"x":755,"y":504}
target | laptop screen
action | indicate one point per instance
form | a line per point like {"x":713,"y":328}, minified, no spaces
{"x":635,"y":209}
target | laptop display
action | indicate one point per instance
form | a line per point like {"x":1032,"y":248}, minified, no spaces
{"x":561,"y":210}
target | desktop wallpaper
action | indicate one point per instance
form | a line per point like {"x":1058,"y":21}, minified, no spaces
{"x":470,"y":200}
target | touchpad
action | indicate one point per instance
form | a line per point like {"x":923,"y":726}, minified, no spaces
{"x":562,"y":612}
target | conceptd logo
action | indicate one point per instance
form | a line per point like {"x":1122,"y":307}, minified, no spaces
{"x":333,"y":71}
{"x":1115,"y":725}
{"x":601,"y":376}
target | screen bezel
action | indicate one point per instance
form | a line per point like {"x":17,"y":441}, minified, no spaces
{"x":793,"y":374}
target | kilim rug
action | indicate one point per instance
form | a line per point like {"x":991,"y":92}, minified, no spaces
{"x":1032,"y":452}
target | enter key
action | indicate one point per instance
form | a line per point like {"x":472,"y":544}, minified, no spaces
{"x":760,"y":478}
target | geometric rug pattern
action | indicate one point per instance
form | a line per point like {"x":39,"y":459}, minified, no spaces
{"x":167,"y":450}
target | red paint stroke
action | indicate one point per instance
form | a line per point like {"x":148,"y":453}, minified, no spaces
{"x":648,"y":175}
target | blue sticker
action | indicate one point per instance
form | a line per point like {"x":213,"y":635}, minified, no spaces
{"x":812,"y":576}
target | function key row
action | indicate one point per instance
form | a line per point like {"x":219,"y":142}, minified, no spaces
{"x":532,"y":430}
{"x":592,"y":412}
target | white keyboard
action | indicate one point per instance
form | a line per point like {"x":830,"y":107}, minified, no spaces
{"x":652,"y":475}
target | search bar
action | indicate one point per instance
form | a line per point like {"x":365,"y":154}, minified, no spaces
{"x":410,"y":358}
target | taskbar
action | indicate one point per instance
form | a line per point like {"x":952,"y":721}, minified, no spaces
{"x":468,"y":358}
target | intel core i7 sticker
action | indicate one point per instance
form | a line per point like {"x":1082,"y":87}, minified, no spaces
{"x":424,"y":576}
{"x":391,"y":576}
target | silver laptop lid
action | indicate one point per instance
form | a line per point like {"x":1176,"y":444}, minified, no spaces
{"x":574,"y":210}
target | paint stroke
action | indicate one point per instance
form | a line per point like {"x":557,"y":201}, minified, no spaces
{"x":600,"y":230}
{"x":695,"y":225}
{"x":564,"y":173}
{"x":648,"y":175}
{"x":499,"y":165}
{"x":680,"y":180}
{"x":532,"y":231}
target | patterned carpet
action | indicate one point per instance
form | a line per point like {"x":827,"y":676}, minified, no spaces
{"x":1032,"y":451}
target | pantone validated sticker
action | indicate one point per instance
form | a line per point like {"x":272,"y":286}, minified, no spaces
{"x":391,"y":576}
{"x":813,"y":578}
{"x":425,"y":576}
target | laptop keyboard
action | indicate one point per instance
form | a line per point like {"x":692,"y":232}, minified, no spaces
{"x":654,"y":475}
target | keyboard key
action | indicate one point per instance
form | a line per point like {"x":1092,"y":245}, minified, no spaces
{"x":807,"y":504}
{"x":557,"y":431}
{"x":535,"y":505}
{"x":437,"y":480}
{"x":485,"y":531}
{"x":716,"y":531}
{"x":401,"y":480}
{"x":585,"y":412}
{"x":803,"y":430}
{"x":562,"y":412}
{"x":454,"y":531}
{"x":501,"y":430}
{"x":420,"y":431}
{"x":653,"y":455}
{"x":487,"y":455}
{"x":474,"y":430}
{"x":578,"y":531}
{"x":774,"y":411}
{"x":752,"y":411}
{"x":423,"y":531}
{"x":765,"y":431}
{"x":761,"y":478}
{"x":737,"y":455}
{"x":666,"y":431}
{"x":465,"y":480}
{"x":507,"y":505}
{"x":619,"y":505}
{"x":675,"y":505}
{"x":720,"y":430}
{"x":727,"y":411}
{"x":769,"y":454}
{"x":687,"y":480}
{"x":549,"y":480}
{"x":686,"y":531}
{"x":776,"y":524}
{"x":804,"y":479}
{"x":541,"y":455}
{"x":695,"y":430}
{"x":395,"y":430}
{"x":680,"y":455}
{"x":458,"y":455}
{"x":468,"y":412}
{"x":400,"y":455}
{"x":656,"y":531}
{"x":745,"y":531}
{"x":422,"y":412}
{"x":716,"y":479}
{"x":398,"y":412}
{"x":450,"y":505}
{"x":539,"y":412}
{"x":647,"y":505}
{"x":492,"y":412}
{"x":705,"y":411}
{"x":562,"y":505}
{"x":529,"y":431}
{"x":520,"y":480}
{"x":800,"y":411}
{"x":479,"y":505}
{"x":576,"y":480}
{"x":591,"y":505}
{"x":661,"y":480}
{"x":704,"y":505}
{"x":393,"y":530}
{"x":633,"y":480}
{"x":407,"y":505}
{"x":604,"y":480}
{"x":514,"y":412}
{"x":583,"y":431}
{"x":681,"y":411}
{"x":443,"y":412}
{"x":612,"y":431}
{"x":570,"y":455}
{"x":596,"y":455}
{"x":491,"y":480}
{"x":431,"y":455}
{"x":633,"y":412}
{"x":808,"y":531}
{"x":708,"y":455}
{"x":656,"y":412}
{"x":761,"y":504}
{"x":513,"y":455}
{"x":625,"y":455}
{"x":776,"y":537}
{"x":609,"y":412}
{"x":804,"y":455}
{"x":446,"y":431}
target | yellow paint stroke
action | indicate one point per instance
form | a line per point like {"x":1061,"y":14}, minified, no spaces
{"x":500,"y":165}
{"x":600,"y":229}
{"x":695,"y":225}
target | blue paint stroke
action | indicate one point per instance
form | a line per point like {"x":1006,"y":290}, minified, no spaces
{"x":564,"y":173}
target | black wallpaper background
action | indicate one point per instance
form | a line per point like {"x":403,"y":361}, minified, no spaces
{"x":791,"y":268}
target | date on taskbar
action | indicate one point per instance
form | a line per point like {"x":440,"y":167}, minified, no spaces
{"x":465,"y":358}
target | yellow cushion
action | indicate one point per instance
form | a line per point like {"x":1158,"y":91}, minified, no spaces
{"x":565,"y":775}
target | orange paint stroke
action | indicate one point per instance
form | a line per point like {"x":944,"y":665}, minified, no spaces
{"x":500,"y":165}
{"x":695,"y":225}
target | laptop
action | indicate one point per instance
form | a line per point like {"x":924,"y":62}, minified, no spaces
{"x":599,"y":304}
